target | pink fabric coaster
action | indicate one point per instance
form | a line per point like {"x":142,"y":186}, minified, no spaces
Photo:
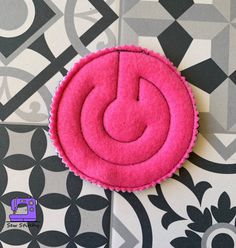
{"x":124,"y":118}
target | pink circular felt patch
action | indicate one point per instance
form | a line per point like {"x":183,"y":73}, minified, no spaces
{"x":124,"y":118}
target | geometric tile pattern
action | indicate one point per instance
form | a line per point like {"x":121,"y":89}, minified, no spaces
{"x":57,"y":64}
{"x":204,"y":217}
{"x":40,"y":40}
{"x":66,"y":215}
{"x":216,"y":22}
{"x":22,"y":26}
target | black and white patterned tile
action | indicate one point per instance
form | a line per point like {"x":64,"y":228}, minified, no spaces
{"x":196,"y":208}
{"x":35,"y":60}
{"x":70,"y":212}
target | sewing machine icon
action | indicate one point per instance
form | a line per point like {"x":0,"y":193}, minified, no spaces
{"x":30,"y":203}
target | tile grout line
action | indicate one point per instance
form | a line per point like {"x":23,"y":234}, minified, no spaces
{"x":23,"y":123}
{"x":120,"y":20}
{"x":112,"y":192}
{"x":111,"y":219}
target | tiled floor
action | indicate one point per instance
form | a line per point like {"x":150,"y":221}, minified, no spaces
{"x":197,"y":207}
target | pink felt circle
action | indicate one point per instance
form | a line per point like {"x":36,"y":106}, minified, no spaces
{"x":124,"y":118}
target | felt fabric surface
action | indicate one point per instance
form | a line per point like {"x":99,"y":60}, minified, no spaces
{"x":124,"y":118}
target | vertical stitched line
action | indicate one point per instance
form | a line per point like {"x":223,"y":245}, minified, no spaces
{"x":118,"y":74}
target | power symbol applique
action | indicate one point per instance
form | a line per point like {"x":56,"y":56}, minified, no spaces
{"x":124,"y":118}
